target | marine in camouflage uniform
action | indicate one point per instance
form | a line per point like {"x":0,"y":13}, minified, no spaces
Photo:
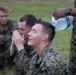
{"x":49,"y":62}
{"x":72,"y":59}
{"x":5,"y":41}
{"x":6,"y":28}
{"x":24,"y":26}
{"x":59,"y":13}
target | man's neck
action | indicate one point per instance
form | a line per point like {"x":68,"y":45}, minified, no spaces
{"x":39,"y":48}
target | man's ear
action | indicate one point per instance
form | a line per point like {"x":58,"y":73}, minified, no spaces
{"x":45,"y":36}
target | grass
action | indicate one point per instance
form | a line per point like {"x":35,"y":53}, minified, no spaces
{"x":42,"y":9}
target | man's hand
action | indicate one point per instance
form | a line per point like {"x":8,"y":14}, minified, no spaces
{"x":18,"y":40}
{"x":59,"y":13}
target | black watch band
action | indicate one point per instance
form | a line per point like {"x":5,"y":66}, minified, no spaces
{"x":68,"y":11}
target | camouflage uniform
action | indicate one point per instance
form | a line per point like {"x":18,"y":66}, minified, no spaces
{"x":49,"y":63}
{"x":27,"y":53}
{"x":72,"y":59}
{"x":5,"y":41}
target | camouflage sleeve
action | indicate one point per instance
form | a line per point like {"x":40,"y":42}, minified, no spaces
{"x":72,"y":59}
{"x":19,"y":60}
{"x":4,"y":38}
{"x":19,"y":70}
{"x":21,"y":57}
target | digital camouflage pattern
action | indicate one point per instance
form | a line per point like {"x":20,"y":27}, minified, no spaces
{"x":49,"y":63}
{"x":5,"y":40}
{"x":72,"y":59}
{"x":22,"y":57}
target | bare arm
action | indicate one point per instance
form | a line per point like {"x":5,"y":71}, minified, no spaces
{"x":62,"y":12}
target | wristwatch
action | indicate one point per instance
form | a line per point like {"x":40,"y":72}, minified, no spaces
{"x":68,"y":11}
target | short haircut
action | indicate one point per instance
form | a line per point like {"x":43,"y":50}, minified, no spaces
{"x":4,"y":9}
{"x":30,"y":19}
{"x":47,"y":28}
